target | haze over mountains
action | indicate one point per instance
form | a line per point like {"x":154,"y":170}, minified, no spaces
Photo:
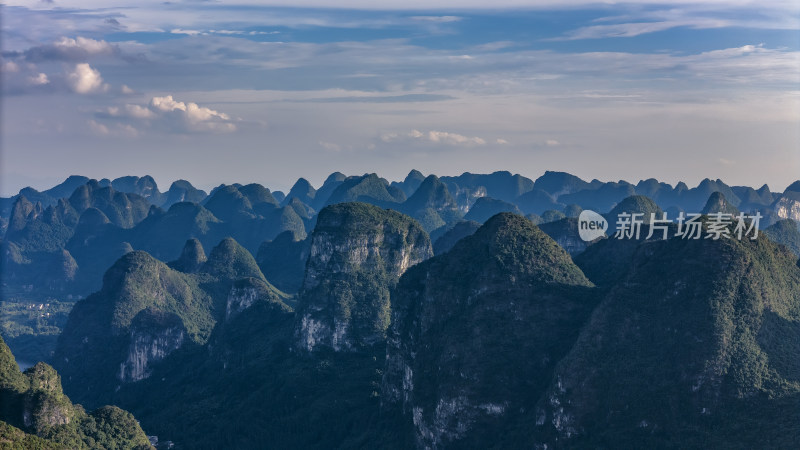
{"x":433,"y":312}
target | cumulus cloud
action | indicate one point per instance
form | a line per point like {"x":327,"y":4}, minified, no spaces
{"x":84,"y":79}
{"x":170,"y":115}
{"x":194,"y":116}
{"x":434,"y":137}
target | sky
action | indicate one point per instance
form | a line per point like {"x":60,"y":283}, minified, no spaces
{"x":261,"y":91}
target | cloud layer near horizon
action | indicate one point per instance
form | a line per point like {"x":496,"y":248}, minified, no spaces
{"x":268,"y":94}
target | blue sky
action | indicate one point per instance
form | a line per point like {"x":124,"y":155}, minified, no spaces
{"x":223,"y":92}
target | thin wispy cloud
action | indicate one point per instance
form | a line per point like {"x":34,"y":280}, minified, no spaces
{"x":433,"y":137}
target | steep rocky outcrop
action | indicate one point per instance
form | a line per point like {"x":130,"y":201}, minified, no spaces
{"x":788,"y":206}
{"x":477,"y":331}
{"x":358,"y":252}
{"x":248,"y":291}
{"x":153,"y":335}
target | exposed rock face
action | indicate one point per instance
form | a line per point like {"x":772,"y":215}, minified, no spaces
{"x":153,"y":336}
{"x":477,"y":331}
{"x":358,"y":252}
{"x":788,"y":206}
{"x":246,"y":292}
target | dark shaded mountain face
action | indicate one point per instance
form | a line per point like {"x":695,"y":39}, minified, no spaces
{"x":35,"y":413}
{"x":324,"y":192}
{"x":98,"y":225}
{"x":486,"y":207}
{"x":432,"y":205}
{"x":283,"y":261}
{"x":302,"y":191}
{"x":182,"y":191}
{"x":476,"y":333}
{"x":358,"y":252}
{"x":696,"y":347}
{"x":559,"y":183}
{"x":449,"y":238}
{"x":635,"y":204}
{"x":601,"y":199}
{"x":410,"y":184}
{"x":785,"y":232}
{"x":368,"y":189}
{"x":536,"y":201}
{"x":468,"y":187}
{"x":145,"y":186}
{"x":718,"y":204}
{"x":565,"y":233}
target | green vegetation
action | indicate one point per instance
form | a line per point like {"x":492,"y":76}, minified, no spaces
{"x":695,"y":347}
{"x":35,"y":414}
{"x":785,"y":232}
{"x":717,"y":203}
{"x":32,"y":328}
{"x":508,"y":304}
{"x":97,"y":336}
{"x":632,"y":205}
{"x":459,"y":231}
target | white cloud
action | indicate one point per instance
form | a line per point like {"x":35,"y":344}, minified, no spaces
{"x":99,"y":128}
{"x":71,"y":49}
{"x":126,"y":90}
{"x":330,"y":146}
{"x":437,"y":19}
{"x":86,"y":80}
{"x":167,"y":114}
{"x":552,"y":143}
{"x":433,"y":136}
{"x":131,"y":111}
{"x":9,"y":67}
{"x":39,"y":80}
{"x":501,"y":141}
{"x":88,"y":45}
{"x":187,"y":32}
{"x":117,"y":129}
{"x":196,"y":117}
